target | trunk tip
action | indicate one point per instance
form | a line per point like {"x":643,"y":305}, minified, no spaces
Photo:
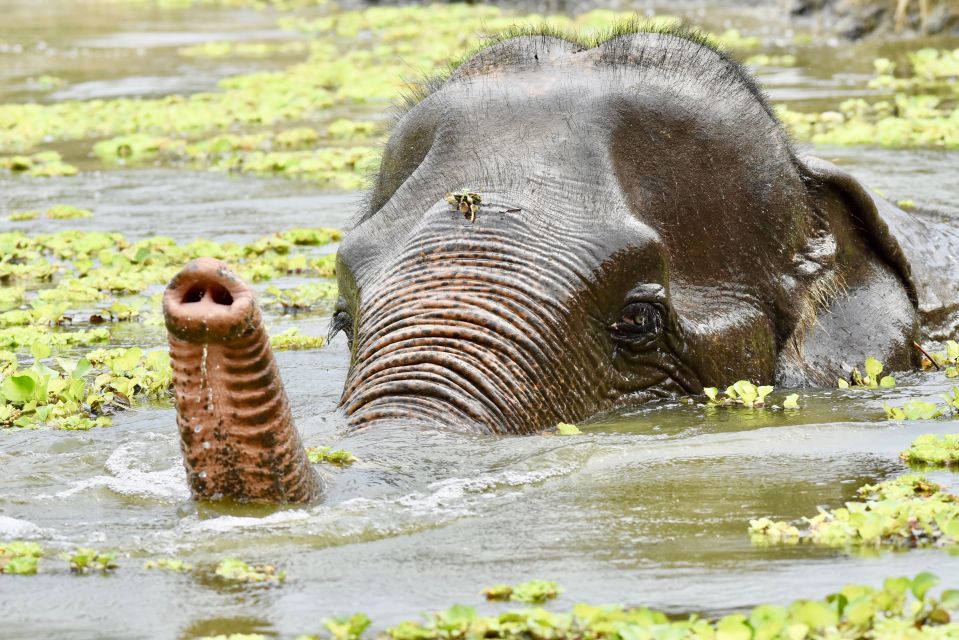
{"x":208,"y":302}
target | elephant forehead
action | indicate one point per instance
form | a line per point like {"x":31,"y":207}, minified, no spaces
{"x":511,"y":232}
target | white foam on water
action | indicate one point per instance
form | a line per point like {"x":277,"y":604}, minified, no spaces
{"x":454,"y":495}
{"x":224,"y":524}
{"x":16,"y":528}
{"x":130,"y":476}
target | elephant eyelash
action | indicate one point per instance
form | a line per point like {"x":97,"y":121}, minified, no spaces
{"x":641,"y":324}
{"x":341,"y":321}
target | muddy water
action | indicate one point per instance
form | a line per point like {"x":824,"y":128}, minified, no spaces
{"x":648,"y":507}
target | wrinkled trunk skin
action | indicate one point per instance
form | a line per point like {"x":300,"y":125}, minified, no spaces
{"x":236,"y":432}
{"x":463,"y":330}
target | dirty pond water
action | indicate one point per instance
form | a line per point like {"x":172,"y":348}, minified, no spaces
{"x":646,"y":507}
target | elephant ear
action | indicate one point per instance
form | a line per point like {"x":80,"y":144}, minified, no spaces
{"x":870,"y":214}
{"x":858,"y":297}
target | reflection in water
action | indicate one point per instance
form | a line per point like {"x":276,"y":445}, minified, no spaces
{"x":225,"y":626}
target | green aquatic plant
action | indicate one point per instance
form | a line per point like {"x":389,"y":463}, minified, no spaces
{"x":947,"y":359}
{"x":872,"y":380}
{"x":531,"y":592}
{"x":22,"y":216}
{"x":20,"y":558}
{"x":909,"y":511}
{"x":293,"y":340}
{"x":771,"y":60}
{"x":66,"y":212}
{"x":301,"y":298}
{"x":329,"y":455}
{"x":348,"y":628}
{"x":84,"y":560}
{"x":168,"y":564}
{"x":933,"y":450}
{"x":227,"y":49}
{"x":234,"y":570}
{"x":71,"y":276}
{"x":746,"y":394}
{"x":901,"y":608}
{"x":45,"y":164}
{"x":914,"y":410}
{"x":566,"y":429}
{"x":742,"y":392}
{"x":923,"y":410}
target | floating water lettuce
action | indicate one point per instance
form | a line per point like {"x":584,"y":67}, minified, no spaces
{"x":234,"y":570}
{"x":19,"y":558}
{"x":746,"y":394}
{"x":914,"y":410}
{"x":873,"y":378}
{"x":348,"y":628}
{"x":293,"y":340}
{"x":301,"y":298}
{"x":909,"y":511}
{"x":948,"y":359}
{"x":23,"y":216}
{"x":531,"y":592}
{"x":924,"y":410}
{"x":169,"y":564}
{"x":67,"y":212}
{"x":85,"y":560}
{"x":901,"y":608}
{"x":329,"y":455}
{"x":933,"y":450}
{"x":96,"y":272}
{"x":42,"y":164}
{"x":566,"y":429}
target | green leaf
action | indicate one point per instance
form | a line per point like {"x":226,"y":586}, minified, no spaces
{"x":19,"y":388}
{"x":791,"y":401}
{"x":922,"y":583}
{"x":82,"y":368}
{"x":887,"y":382}
{"x":873,"y":368}
{"x":767,"y":621}
{"x":843,"y":384}
{"x":746,"y":391}
{"x":814,"y":614}
{"x":711,"y":393}
{"x":40,"y":350}
{"x":565,"y":429}
{"x":733,"y":627}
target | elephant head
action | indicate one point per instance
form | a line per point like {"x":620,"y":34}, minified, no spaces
{"x":644,"y":229}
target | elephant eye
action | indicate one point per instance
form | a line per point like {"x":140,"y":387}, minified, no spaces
{"x":640,"y":322}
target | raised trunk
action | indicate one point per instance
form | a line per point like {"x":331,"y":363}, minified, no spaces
{"x":236,"y":431}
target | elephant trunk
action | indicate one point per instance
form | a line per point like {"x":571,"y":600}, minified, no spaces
{"x":236,"y":431}
{"x":447,"y":339}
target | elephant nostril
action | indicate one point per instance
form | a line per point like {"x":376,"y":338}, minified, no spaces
{"x":217,"y":292}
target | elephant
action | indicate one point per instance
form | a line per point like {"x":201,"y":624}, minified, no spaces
{"x":561,"y":228}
